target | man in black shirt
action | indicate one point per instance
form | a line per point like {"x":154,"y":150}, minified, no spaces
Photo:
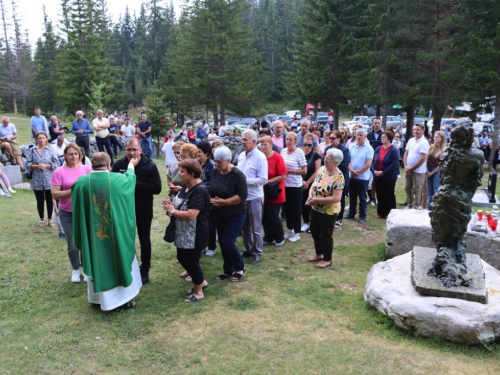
{"x":148,"y":183}
{"x":144,"y":132}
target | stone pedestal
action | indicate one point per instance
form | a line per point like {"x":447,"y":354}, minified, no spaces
{"x":13,"y":173}
{"x":421,"y":263}
{"x":408,"y":228}
{"x":389,"y":290}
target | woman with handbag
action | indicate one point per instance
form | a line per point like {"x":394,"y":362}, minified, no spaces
{"x":274,"y":194}
{"x":42,"y":162}
{"x":190,"y":208}
{"x":228,"y":192}
{"x":313,"y":160}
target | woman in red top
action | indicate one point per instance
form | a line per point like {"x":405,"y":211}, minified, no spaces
{"x":191,"y":135}
{"x":385,"y":169}
{"x":271,"y":220}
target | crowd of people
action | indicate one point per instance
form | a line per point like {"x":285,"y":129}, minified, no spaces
{"x":214,"y":194}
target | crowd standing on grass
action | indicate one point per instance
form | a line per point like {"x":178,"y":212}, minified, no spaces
{"x":214,"y":194}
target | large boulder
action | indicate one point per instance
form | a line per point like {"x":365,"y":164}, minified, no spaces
{"x":389,"y":290}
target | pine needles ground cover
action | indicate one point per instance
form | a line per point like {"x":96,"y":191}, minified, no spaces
{"x":284,"y":317}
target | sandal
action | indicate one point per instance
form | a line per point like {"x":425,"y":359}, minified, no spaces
{"x":223,"y":276}
{"x":41,"y":223}
{"x":188,"y":279}
{"x":126,"y":306}
{"x":238,"y":276}
{"x":184,"y":274}
{"x":315,"y":259}
{"x":324,"y":264}
{"x":192,"y":298}
{"x":202,"y":288}
{"x":51,"y":224}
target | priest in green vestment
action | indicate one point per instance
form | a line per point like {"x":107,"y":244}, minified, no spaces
{"x":104,"y":231}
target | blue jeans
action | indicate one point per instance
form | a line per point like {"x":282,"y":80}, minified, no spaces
{"x":433,"y":185}
{"x":147,"y":146}
{"x":357,"y":189}
{"x":228,"y":229}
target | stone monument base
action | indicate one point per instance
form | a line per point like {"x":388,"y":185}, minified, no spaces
{"x":421,"y":263}
{"x":389,"y":290}
{"x":481,"y":199}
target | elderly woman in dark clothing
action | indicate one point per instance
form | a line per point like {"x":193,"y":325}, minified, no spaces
{"x":208,"y":167}
{"x":190,"y":207}
{"x":228,"y":192}
{"x":336,"y":141}
{"x":385,"y":169}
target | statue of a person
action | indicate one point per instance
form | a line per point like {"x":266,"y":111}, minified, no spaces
{"x":461,"y":170}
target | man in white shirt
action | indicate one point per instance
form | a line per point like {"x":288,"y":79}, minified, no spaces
{"x":222,"y":131}
{"x":127,"y":130}
{"x":59,"y":147}
{"x":253,"y":164}
{"x":206,"y":128}
{"x":101,"y":126}
{"x":415,"y":166}
{"x":8,"y":136}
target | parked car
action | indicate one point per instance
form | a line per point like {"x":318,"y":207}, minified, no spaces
{"x":322,"y":118}
{"x":232,"y":120}
{"x":353,"y":124}
{"x":271,"y":117}
{"x":486,"y":117}
{"x":288,"y":119}
{"x":247,"y":120}
{"x":292,"y":113}
{"x":392,"y":122}
{"x":353,"y":121}
{"x":480,"y":127}
{"x":447,"y":122}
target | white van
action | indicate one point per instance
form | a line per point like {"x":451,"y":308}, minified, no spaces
{"x":295,"y":112}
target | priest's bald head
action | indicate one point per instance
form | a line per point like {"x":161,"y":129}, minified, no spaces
{"x":101,"y":161}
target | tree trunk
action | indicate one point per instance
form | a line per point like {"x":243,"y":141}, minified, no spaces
{"x":377,"y":110}
{"x":9,"y":59}
{"x":496,"y":129}
{"x":410,"y":116}
{"x":384,"y":116}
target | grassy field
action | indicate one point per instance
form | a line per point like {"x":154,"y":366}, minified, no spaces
{"x":285,"y":317}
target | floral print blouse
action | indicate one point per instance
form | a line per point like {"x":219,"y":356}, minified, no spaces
{"x":323,"y":186}
{"x":40,"y":180}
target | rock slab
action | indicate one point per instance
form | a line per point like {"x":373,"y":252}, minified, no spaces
{"x":421,"y":263}
{"x":408,"y":228}
{"x":390,"y":291}
{"x":13,"y":173}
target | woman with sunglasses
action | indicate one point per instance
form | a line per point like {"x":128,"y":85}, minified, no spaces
{"x":296,"y":166}
{"x":313,"y":161}
{"x":344,"y":132}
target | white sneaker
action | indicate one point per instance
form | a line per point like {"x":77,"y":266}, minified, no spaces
{"x":289,"y":234}
{"x":372,"y":203}
{"x":279,"y":244}
{"x":210,"y":253}
{"x":346,"y":208}
{"x":75,"y":276}
{"x":11,"y":190}
{"x":399,"y":176}
{"x":85,"y":278}
{"x":2,"y":193}
{"x":305,"y":228}
{"x":294,"y":238}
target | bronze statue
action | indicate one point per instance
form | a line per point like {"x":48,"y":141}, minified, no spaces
{"x":461,"y":170}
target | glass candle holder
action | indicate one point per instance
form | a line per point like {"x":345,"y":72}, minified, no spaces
{"x":494,"y":223}
{"x":479,"y":215}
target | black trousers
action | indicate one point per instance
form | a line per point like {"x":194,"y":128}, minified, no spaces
{"x":345,"y":192}
{"x":85,"y":143}
{"x":322,"y":233}
{"x":306,"y":210}
{"x":385,"y":197}
{"x":105,"y":143}
{"x":292,"y":206}
{"x":41,"y":196}
{"x":143,"y":223}
{"x":271,"y":222}
{"x":190,"y":260}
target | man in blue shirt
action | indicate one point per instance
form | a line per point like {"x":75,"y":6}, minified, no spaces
{"x":55,"y":129}
{"x":38,"y":123}
{"x":200,"y":134}
{"x":81,"y":129}
{"x":359,"y":167}
{"x":305,"y":125}
{"x":144,"y":132}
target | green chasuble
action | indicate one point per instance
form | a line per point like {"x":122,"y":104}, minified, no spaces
{"x":104,"y":227}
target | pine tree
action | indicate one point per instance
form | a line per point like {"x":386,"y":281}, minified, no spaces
{"x":9,"y":57}
{"x":84,"y":61}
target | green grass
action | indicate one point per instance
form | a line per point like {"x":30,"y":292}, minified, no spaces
{"x":284,"y":317}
